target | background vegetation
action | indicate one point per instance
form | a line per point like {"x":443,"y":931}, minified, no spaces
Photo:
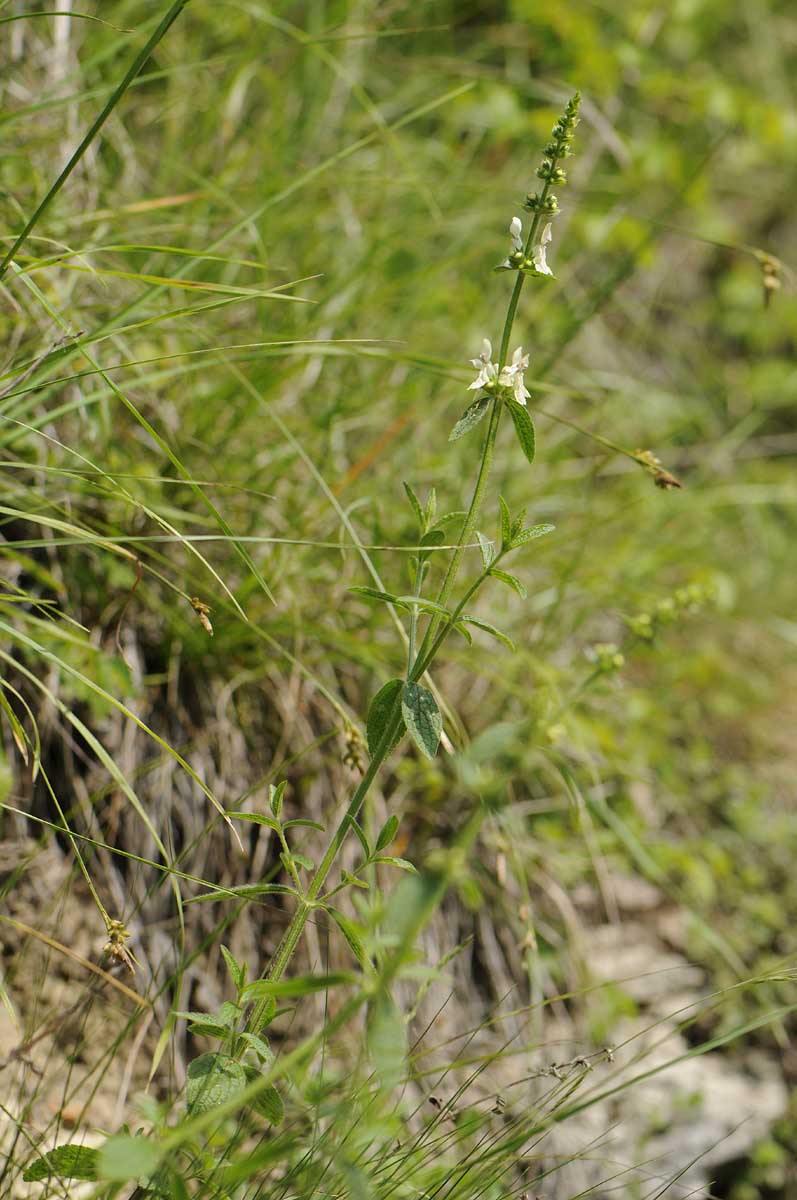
{"x":242,"y":322}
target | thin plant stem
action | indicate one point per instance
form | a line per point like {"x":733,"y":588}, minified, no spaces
{"x":417,"y":663}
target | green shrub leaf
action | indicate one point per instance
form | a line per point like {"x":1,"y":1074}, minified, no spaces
{"x":524,"y":427}
{"x":422,"y":717}
{"x":471,"y":417}
{"x":379,"y":714}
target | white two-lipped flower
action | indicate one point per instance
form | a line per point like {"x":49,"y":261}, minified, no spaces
{"x":488,"y":371}
{"x":517,"y":247}
{"x":510,"y":376}
{"x":538,"y":256}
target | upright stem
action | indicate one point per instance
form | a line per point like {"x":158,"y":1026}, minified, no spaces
{"x":418,"y":664}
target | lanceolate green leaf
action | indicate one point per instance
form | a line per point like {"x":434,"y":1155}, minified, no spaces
{"x":510,"y":581}
{"x":524,"y":427}
{"x":486,"y":547}
{"x":506,"y":522}
{"x":256,"y":819}
{"x":374,"y":594}
{"x":379,"y":714}
{"x":403,"y":864}
{"x":360,"y":833}
{"x":353,"y":938}
{"x":237,"y":970}
{"x":422,"y":718}
{"x":387,"y":832}
{"x":247,"y":890}
{"x":491,"y":629}
{"x":416,"y":505}
{"x":535,"y":531}
{"x":471,"y":417}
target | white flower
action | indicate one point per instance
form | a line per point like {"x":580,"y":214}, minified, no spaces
{"x":488,"y":371}
{"x":539,"y":253}
{"x":517,"y":247}
{"x":512,"y":376}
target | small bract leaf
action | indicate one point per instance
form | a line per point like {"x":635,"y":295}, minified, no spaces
{"x":387,"y":832}
{"x":506,"y":522}
{"x":374,"y":594}
{"x":470,"y":418}
{"x":491,"y":629}
{"x":380,"y":713}
{"x":486,"y":547}
{"x":431,"y":506}
{"x":517,"y":524}
{"x":64,"y":1162}
{"x":535,"y":531}
{"x":524,"y":427}
{"x":260,"y":1046}
{"x":422,"y":717}
{"x":256,"y":819}
{"x":268,"y":1102}
{"x":352,"y":936}
{"x":212,"y":1079}
{"x":464,"y":632}
{"x":360,"y":834}
{"x":416,"y":505}
{"x":449,"y":517}
{"x":510,"y":580}
{"x":237,"y":970}
{"x":275,"y":795}
{"x":403,"y":864}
